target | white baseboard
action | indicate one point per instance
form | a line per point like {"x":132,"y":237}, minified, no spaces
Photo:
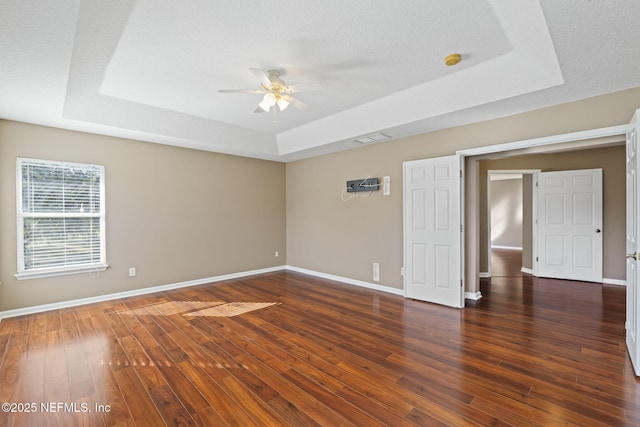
{"x":606,"y":281}
{"x":473,"y":295}
{"x":467,"y":295}
{"x":527,"y":270}
{"x":484,"y":275}
{"x":108,"y":297}
{"x":348,"y":281}
{"x":135,"y":292}
{"x":614,"y":282}
{"x":510,"y":248}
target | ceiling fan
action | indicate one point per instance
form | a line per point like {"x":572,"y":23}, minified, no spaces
{"x":276,"y":91}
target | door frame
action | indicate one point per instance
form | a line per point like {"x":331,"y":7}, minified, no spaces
{"x":611,"y":135}
{"x":488,"y":213}
{"x":600,"y":137}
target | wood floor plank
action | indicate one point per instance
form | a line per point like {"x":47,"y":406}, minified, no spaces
{"x":515,"y":412}
{"x":170,"y":407}
{"x":116,"y":411}
{"x":270,"y":370}
{"x":284,"y":348}
{"x":79,"y":372}
{"x":149,"y":373}
{"x":234,"y":413}
{"x":317,"y":368}
{"x":258,"y":411}
{"x":243,"y":373}
{"x":139,"y":402}
{"x":357,"y":416}
{"x":209,"y":417}
{"x":292,"y":401}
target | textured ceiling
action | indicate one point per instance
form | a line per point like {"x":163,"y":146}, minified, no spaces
{"x":151,"y":70}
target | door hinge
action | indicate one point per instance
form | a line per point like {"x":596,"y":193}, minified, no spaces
{"x":461,"y":228}
{"x":460,"y":173}
{"x":536,"y":259}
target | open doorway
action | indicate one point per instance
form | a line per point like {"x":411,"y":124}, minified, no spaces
{"x":509,"y":222}
{"x":610,"y":157}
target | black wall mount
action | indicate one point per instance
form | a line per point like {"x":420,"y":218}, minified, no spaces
{"x":358,"y":185}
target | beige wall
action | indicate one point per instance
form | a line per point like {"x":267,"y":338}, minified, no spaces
{"x":345,"y":238}
{"x":612,"y":162}
{"x":175,"y":214}
{"x":505,"y":202}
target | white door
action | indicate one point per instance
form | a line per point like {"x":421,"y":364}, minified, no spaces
{"x":570,"y":225}
{"x":432,"y":231}
{"x":633,"y":237}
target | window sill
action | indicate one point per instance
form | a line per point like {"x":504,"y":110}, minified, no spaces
{"x":38,"y":274}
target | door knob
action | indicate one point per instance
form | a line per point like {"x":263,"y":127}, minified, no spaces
{"x":598,"y":230}
{"x":633,"y":256}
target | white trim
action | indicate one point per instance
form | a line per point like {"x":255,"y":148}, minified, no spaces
{"x":617,"y":282}
{"x":605,"y":281}
{"x":51,"y":272}
{"x":491,"y":172}
{"x":346,"y":280}
{"x":484,"y":275}
{"x":510,"y":248}
{"x":58,"y":269}
{"x":135,"y":292}
{"x":548,"y":140}
{"x":534,"y":223}
{"x":463,"y":177}
{"x":512,"y":171}
{"x":473,"y":295}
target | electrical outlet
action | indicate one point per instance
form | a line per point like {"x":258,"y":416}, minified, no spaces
{"x":376,"y":272}
{"x":132,"y":272}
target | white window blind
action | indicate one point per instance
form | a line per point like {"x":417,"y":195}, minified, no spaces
{"x":61,"y":226}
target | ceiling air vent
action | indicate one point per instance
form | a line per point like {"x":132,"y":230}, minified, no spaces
{"x":372,"y":138}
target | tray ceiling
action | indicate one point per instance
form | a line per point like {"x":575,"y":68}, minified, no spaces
{"x":151,"y":70}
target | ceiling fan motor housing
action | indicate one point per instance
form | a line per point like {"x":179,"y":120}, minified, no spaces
{"x":277,"y":84}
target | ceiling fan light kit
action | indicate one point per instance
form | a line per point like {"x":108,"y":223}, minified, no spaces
{"x":276,"y":91}
{"x":268,"y":101}
{"x":282,"y":103}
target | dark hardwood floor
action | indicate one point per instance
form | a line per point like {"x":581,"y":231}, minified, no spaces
{"x":506,"y":262}
{"x":288,"y":349}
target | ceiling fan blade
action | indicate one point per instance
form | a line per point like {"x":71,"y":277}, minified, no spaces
{"x":309,"y":86}
{"x":296,"y":103}
{"x":241,"y":91}
{"x":262,"y":76}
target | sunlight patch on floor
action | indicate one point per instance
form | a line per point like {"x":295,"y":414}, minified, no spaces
{"x":230,"y":309}
{"x":168,"y":308}
{"x":197,"y":308}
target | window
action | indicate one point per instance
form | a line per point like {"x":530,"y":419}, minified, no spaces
{"x":61,"y":226}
